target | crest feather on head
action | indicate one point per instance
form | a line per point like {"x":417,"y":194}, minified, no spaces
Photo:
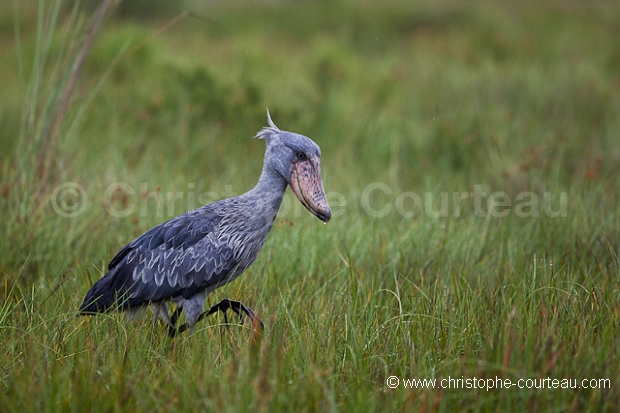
{"x":265,"y":132}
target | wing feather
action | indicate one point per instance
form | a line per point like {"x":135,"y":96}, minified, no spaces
{"x":176,"y":258}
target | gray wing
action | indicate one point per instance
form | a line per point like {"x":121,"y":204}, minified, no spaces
{"x":177,"y":258}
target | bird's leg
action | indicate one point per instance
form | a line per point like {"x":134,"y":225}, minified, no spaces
{"x":172,"y":328}
{"x":161,"y":311}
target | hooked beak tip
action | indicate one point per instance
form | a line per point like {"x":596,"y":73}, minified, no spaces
{"x":324,"y":215}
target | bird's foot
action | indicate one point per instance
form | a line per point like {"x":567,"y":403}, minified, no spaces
{"x":238,"y":307}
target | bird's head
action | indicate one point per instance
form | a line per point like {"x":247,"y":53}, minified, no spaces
{"x":298,"y":160}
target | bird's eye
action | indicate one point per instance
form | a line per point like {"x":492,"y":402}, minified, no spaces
{"x":301,"y":156}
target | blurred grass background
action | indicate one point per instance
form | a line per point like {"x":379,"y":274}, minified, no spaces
{"x":435,"y":100}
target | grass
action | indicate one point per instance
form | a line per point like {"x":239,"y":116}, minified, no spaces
{"x":471,"y":159}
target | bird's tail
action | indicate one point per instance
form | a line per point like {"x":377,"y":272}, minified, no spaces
{"x":100,"y":298}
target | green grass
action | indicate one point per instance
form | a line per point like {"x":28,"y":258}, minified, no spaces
{"x":471,"y":158}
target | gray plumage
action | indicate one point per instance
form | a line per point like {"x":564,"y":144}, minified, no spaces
{"x":189,"y":256}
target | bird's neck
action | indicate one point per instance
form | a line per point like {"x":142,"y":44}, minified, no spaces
{"x":269,"y":191}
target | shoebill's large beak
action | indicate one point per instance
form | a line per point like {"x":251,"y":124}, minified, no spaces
{"x":307,"y":185}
